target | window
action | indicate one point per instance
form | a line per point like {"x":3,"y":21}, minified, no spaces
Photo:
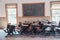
{"x":11,"y":10}
{"x":55,"y":12}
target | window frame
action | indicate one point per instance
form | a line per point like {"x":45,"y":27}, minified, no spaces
{"x":7,"y":12}
{"x":51,"y":3}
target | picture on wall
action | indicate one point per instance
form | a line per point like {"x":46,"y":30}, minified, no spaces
{"x":34,"y":9}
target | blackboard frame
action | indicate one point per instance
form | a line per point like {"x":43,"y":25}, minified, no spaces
{"x":30,"y":4}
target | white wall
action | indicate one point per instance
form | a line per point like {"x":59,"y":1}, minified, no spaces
{"x":19,"y":2}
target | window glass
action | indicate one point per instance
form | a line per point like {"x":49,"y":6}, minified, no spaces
{"x":56,"y":13}
{"x":11,"y":14}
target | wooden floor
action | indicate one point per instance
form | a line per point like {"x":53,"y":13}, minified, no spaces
{"x":17,"y":37}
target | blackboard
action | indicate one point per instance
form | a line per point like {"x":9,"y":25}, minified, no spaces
{"x":36,"y":9}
